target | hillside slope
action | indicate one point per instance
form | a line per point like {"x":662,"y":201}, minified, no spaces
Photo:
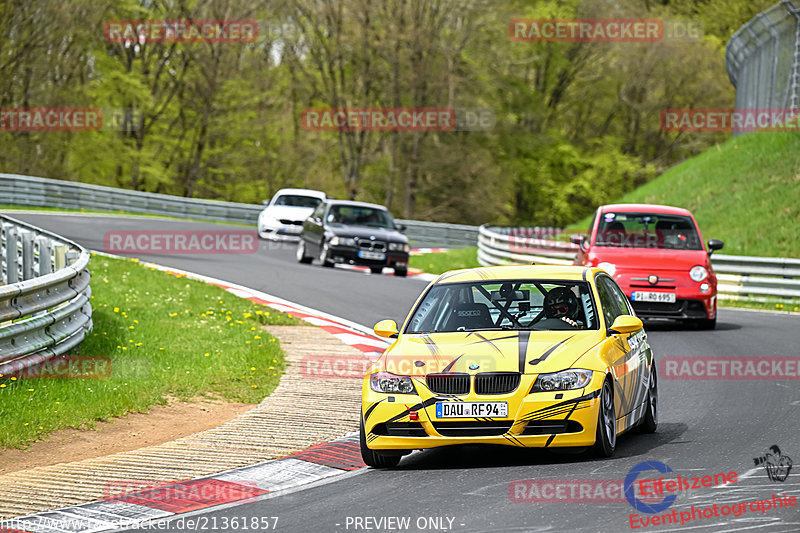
{"x":745,"y":192}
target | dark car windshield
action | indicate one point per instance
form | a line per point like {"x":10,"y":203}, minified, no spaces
{"x":353,"y":215}
{"x":513,"y":305}
{"x":297,"y":200}
{"x":647,"y":230}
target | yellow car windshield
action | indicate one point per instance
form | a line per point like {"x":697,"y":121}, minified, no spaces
{"x":512,"y":305}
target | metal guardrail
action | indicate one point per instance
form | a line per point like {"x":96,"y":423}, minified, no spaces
{"x":44,"y":295}
{"x":44,"y":192}
{"x":763,"y":59}
{"x":739,"y":277}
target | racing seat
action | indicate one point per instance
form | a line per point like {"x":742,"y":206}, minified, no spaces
{"x":672,"y":235}
{"x":613,"y":234}
{"x":469,"y":316}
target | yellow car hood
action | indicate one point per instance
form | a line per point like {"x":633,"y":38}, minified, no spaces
{"x":529,"y":352}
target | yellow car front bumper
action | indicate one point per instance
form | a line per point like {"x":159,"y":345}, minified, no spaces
{"x":537,"y":420}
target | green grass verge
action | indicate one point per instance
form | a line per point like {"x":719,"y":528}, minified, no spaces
{"x":164,"y":335}
{"x":745,"y":191}
{"x":438,"y":263}
{"x":788,"y":306}
{"x":120,"y":212}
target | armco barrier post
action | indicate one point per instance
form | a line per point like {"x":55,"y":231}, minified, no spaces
{"x":41,"y":249}
{"x":11,"y":256}
{"x":60,"y":256}
{"x":28,"y":263}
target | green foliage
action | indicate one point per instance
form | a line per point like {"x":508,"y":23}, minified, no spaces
{"x":576,"y":123}
{"x":193,"y":340}
{"x":438,"y":263}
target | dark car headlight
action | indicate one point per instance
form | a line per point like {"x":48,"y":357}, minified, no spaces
{"x":399,"y":247}
{"x":391,"y":384}
{"x":574,"y":378}
{"x":343,"y":241}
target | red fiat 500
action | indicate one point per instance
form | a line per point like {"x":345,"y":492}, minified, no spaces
{"x":656,"y":254}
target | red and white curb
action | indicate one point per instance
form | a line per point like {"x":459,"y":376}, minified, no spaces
{"x":422,"y":251}
{"x":319,"y":463}
{"x":233,"y":487}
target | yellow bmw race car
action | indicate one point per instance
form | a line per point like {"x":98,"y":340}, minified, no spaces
{"x":529,"y":356}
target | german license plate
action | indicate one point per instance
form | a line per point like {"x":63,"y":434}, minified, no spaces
{"x":661,"y":297}
{"x":375,"y":256}
{"x":472,"y":409}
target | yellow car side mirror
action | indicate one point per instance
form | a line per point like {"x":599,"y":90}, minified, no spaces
{"x":386,"y":328}
{"x":625,"y":324}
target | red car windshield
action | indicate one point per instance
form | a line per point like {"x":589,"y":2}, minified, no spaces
{"x":647,"y":230}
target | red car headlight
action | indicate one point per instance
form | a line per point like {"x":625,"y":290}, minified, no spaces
{"x":698,"y":273}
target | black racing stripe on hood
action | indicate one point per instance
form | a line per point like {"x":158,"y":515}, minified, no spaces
{"x":546,"y":354}
{"x":430,"y":344}
{"x":524,"y":337}
{"x":490,"y":341}
{"x":451,"y":363}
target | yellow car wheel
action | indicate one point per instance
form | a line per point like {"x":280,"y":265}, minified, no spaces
{"x":606,"y":423}
{"x":650,"y":420}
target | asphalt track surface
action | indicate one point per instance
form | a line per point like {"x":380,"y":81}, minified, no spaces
{"x":706,"y":427}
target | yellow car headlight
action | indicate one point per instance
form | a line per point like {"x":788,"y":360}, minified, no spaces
{"x":388,"y":383}
{"x":565,"y":380}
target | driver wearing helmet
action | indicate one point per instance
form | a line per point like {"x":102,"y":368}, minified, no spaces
{"x":561,"y":303}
